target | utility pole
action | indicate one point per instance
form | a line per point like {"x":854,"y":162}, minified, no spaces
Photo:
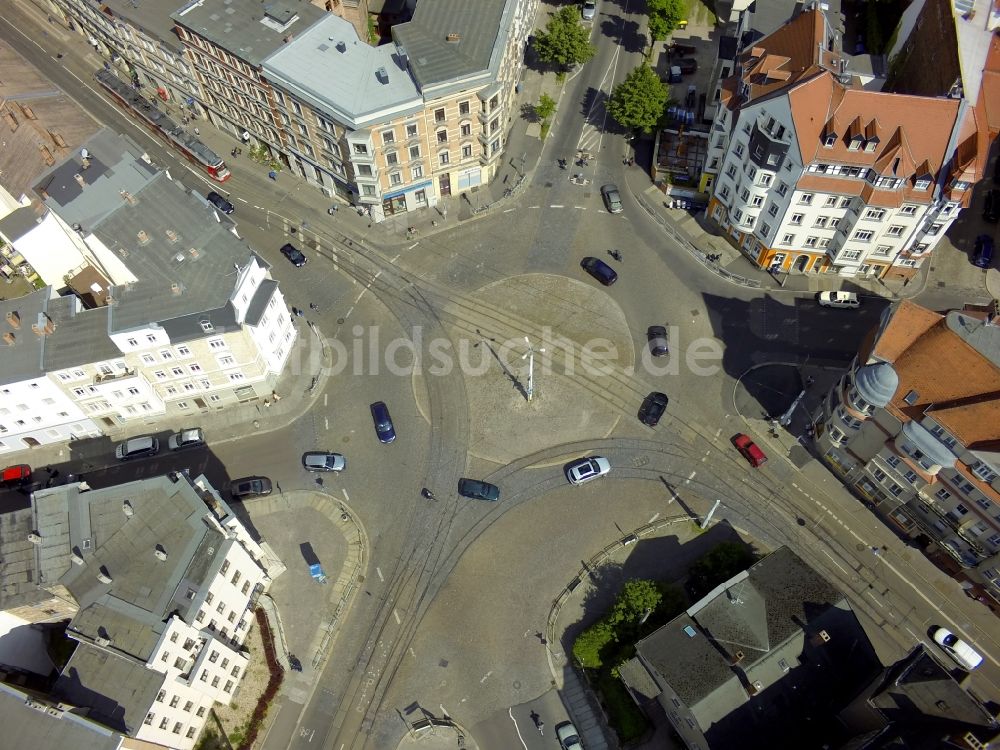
{"x":530,"y":356}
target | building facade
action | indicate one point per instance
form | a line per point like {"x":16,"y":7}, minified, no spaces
{"x":159,"y":635}
{"x":812,"y":171}
{"x":154,"y":306}
{"x":914,"y":428}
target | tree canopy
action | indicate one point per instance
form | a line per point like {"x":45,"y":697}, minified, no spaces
{"x":664,"y":17}
{"x":718,"y":566}
{"x":565,"y":41}
{"x":639,"y":100}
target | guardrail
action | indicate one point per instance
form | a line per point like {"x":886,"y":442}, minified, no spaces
{"x":685,"y":242}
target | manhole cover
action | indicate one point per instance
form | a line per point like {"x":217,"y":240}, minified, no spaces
{"x":345,"y":439}
{"x":517,"y":684}
{"x":695,"y":313}
{"x":340,"y":321}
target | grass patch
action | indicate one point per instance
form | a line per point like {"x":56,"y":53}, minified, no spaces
{"x":561,"y":76}
{"x":701,"y":12}
{"x":629,"y":721}
{"x":546,"y":124}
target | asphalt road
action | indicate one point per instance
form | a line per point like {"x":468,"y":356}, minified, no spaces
{"x":555,"y":223}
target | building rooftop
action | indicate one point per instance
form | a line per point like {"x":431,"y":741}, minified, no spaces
{"x":449,"y":40}
{"x":117,"y":532}
{"x":26,"y":724}
{"x":21,"y":352}
{"x":250,"y":29}
{"x":18,"y":567}
{"x":44,"y":117}
{"x":117,"y":690}
{"x":331,"y":68}
{"x":19,"y":222}
{"x":152,"y":18}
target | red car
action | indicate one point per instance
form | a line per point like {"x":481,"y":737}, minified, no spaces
{"x":749,"y":449}
{"x":15,"y":475}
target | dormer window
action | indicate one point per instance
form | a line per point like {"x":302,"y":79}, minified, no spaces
{"x":206,"y":325}
{"x":855,"y":143}
{"x":923,"y":184}
{"x":830,"y":140}
{"x":871,"y":144}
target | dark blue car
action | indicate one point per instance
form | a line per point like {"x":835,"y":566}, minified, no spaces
{"x":383,"y":422}
{"x":982,"y":256}
{"x":599,"y":270}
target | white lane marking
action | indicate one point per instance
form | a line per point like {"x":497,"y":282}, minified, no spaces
{"x":412,"y":246}
{"x":325,"y":399}
{"x":396,"y":258}
{"x":557,"y":205}
{"x":509,"y":210}
{"x":348,"y":499}
{"x":655,"y":516}
{"x":326,"y":423}
{"x":874,"y":599}
{"x":842,"y":568}
{"x":485,"y":677}
{"x":380,"y":576}
{"x":690,"y":477}
{"x":396,"y":615}
{"x":517,"y":729}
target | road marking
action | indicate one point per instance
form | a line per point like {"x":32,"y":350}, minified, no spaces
{"x":396,"y":258}
{"x":485,"y":677}
{"x":874,"y":599}
{"x":510,"y":713}
{"x":325,"y":399}
{"x":673,"y":495}
{"x":690,"y":477}
{"x":348,"y":499}
{"x":719,"y":431}
{"x":396,"y":615}
{"x":326,"y":423}
{"x":380,"y":576}
{"x":412,"y":652}
{"x":509,"y":210}
{"x":655,"y":516}
{"x":842,"y":568}
{"x":444,"y":711}
{"x":557,"y":205}
{"x":410,"y":247}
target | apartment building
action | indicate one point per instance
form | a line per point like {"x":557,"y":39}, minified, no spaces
{"x":811,"y":172}
{"x":914,"y":427}
{"x":138,"y":39}
{"x":162,"y":580}
{"x":153,"y":306}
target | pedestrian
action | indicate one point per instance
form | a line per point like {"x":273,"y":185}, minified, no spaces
{"x":267,"y":404}
{"x":272,"y":175}
{"x":197,"y":131}
{"x":312,"y":306}
{"x":275,"y":397}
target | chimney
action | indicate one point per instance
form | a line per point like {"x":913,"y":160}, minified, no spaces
{"x":175,"y":289}
{"x":27,"y":112}
{"x":453,"y":38}
{"x":9,"y":338}
{"x":341,"y":47}
{"x":382,"y":75}
{"x":44,"y":326}
{"x":143,"y":237}
{"x":129,"y":198}
{"x":172,"y":235}
{"x":820,"y":638}
{"x":47,"y":156}
{"x":79,"y":178}
{"x":13,"y":319}
{"x":11,"y":121}
{"x":57,"y":139}
{"x":288,"y":38}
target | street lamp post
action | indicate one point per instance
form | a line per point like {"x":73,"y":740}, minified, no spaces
{"x":530,"y":356}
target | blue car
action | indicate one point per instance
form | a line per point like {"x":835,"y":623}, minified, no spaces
{"x":383,"y":422}
{"x":599,"y":270}
{"x":982,"y":256}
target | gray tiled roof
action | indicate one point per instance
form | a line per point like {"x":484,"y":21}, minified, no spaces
{"x":23,"y":359}
{"x":117,"y":690}
{"x":129,"y":611}
{"x":250,"y":29}
{"x":435,"y":60}
{"x":151,"y":17}
{"x":258,"y":305}
{"x":27,"y":727}
{"x":332,"y":69}
{"x":18,"y":569}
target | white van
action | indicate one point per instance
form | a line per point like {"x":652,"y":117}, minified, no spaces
{"x":957,"y":649}
{"x":838,"y":299}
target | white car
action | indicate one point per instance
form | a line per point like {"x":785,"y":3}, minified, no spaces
{"x":589,"y":10}
{"x":957,"y":649}
{"x":568,"y":737}
{"x":838,"y":299}
{"x":585,"y":469}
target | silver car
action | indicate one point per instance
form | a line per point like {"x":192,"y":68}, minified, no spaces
{"x":187,"y":438}
{"x":589,"y":10}
{"x":612,"y":198}
{"x":323,"y":461}
{"x":585,"y":469}
{"x":568,"y":737}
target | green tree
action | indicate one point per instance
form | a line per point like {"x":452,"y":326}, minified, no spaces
{"x":565,"y":41}
{"x":664,"y":17}
{"x":589,"y":645}
{"x":636,"y":598}
{"x":546,"y":107}
{"x":639,"y":100}
{"x":719,"y":565}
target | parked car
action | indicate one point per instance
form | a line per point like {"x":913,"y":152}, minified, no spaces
{"x":569,"y":738}
{"x":589,"y":10}
{"x":678,"y":50}
{"x":991,"y":207}
{"x":323,"y":461}
{"x":982,"y":255}
{"x":584,"y":469}
{"x":478,"y":490}
{"x":838,"y":299}
{"x":652,"y":409}
{"x":599,"y":270}
{"x":251,"y":487}
{"x":220,"y":203}
{"x":749,"y":450}
{"x":612,"y":198}
{"x":15,"y":476}
{"x":189,"y":438}
{"x":957,"y":649}
{"x":675,"y":74}
{"x":657,"y":338}
{"x":294,"y":255}
{"x":137,"y":447}
{"x":688,"y":65}
{"x":383,"y":422}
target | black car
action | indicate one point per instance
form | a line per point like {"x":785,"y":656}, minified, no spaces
{"x":652,"y":408}
{"x":688,"y":65}
{"x":599,"y":270}
{"x":220,"y":203}
{"x":478,"y":490}
{"x":982,"y":256}
{"x":383,"y":422}
{"x":294,"y":255}
{"x":657,"y":338}
{"x":251,"y":487}
{"x":991,"y":207}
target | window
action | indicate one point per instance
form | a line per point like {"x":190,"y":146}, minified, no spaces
{"x":863,"y":236}
{"x":463,"y":108}
{"x":882,"y":251}
{"x":845,"y":202}
{"x":806,"y":199}
{"x":782,"y":189}
{"x":892,"y":460}
{"x":411,"y":130}
{"x":228,"y":686}
{"x":821,"y":221}
{"x":443,"y":157}
{"x":907,"y":210}
{"x":388,"y":137}
{"x":414,"y":152}
{"x":811,"y":241}
{"x":417,"y":172}
{"x":739,"y":150}
{"x":225,"y":569}
{"x":161,"y":695}
{"x":895,"y":489}
{"x":392,"y":159}
{"x":163,"y":722}
{"x":911,"y":476}
{"x":246,"y":587}
{"x":765,"y":180}
{"x":216,"y":344}
{"x":465,"y":129}
{"x":756,"y":201}
{"x":177,"y":727}
{"x":133,"y":342}
{"x":797,"y":219}
{"x":875,"y":214}
{"x":200,"y":712}
{"x":360,"y":149}
{"x":236,"y":577}
{"x":365,"y":170}
{"x":895,"y":231}
{"x":174,"y":701}
{"x":439,"y":115}
{"x":984,"y":472}
{"x":190,"y":732}
{"x":942,"y":494}
{"x":772,"y":210}
{"x":923,"y":184}
{"x":183,"y":351}
{"x":442,"y":136}
{"x":831,"y":201}
{"x":788,"y":239}
{"x":466,"y":151}
{"x":878,"y":474}
{"x":395,"y":178}
{"x":206,"y":327}
{"x":731,"y":171}
{"x":765,"y":230}
{"x":215,"y":681}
